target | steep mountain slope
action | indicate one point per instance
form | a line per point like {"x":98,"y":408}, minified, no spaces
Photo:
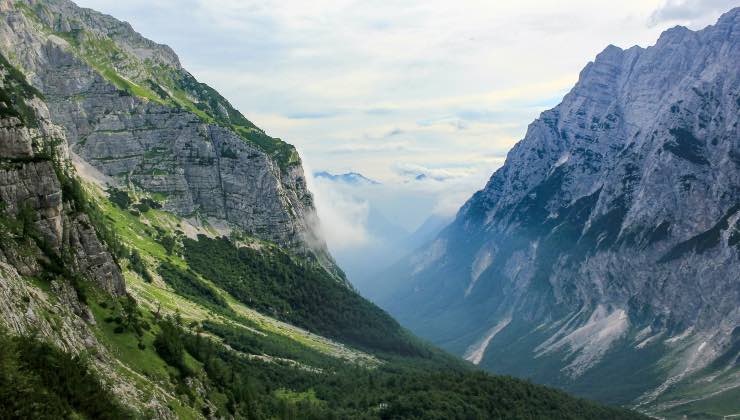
{"x":54,"y":258}
{"x":117,"y":303}
{"x":607,"y":249}
{"x":131,"y":111}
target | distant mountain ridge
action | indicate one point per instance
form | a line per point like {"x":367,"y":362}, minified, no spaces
{"x":606,"y":250}
{"x":352,"y":178}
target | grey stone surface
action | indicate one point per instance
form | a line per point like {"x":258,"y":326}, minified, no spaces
{"x":30,"y":188}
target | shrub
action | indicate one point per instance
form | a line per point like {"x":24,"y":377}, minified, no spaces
{"x":39,"y":381}
{"x":170,"y":347}
{"x":119,"y":197}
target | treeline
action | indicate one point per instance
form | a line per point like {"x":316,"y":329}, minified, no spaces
{"x":299,"y":292}
{"x":401,"y":388}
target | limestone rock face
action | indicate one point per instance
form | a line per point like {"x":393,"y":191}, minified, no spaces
{"x":33,"y":157}
{"x":15,"y":140}
{"x":91,"y":257}
{"x":198,"y":165}
{"x":611,"y":233}
{"x":34,"y":185}
{"x":34,"y":188}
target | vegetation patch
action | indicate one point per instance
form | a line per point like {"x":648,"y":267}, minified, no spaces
{"x":187,"y":283}
{"x":39,"y":381}
{"x":249,"y":387}
{"x":703,"y":241}
{"x":686,"y":146}
{"x":297,"y":291}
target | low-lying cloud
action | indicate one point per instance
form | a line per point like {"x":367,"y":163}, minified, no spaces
{"x":416,"y":172}
{"x":342,"y":217}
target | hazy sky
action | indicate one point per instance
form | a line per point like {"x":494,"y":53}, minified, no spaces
{"x":396,"y":88}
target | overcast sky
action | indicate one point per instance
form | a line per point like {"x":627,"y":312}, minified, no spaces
{"x":396,"y":88}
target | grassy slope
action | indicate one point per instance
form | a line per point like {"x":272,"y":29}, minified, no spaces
{"x":719,"y":406}
{"x":137,"y":232}
{"x":698,"y":397}
{"x":290,"y":363}
{"x":297,"y":291}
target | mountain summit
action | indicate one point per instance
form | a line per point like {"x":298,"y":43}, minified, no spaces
{"x":606,"y":250}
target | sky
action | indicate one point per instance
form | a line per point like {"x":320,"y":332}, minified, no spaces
{"x":397,"y":88}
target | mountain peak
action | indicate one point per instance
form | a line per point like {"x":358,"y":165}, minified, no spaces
{"x":732,"y":16}
{"x":674,"y":35}
{"x":352,"y":178}
{"x":611,"y":50}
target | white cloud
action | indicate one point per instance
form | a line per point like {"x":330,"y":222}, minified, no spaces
{"x":422,"y":173}
{"x":342,"y":217}
{"x":693,"y":13}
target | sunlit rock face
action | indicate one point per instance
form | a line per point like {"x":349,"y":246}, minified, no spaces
{"x":607,"y":248}
{"x":129,"y":109}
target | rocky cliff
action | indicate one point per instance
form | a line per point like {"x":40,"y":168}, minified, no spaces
{"x":53,"y":259}
{"x":128,"y":108}
{"x":607,"y":248}
{"x":33,"y":177}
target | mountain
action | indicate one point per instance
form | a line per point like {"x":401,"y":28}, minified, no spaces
{"x":375,"y":274}
{"x":157,"y":257}
{"x":427,"y":231}
{"x":351,"y":178}
{"x":167,"y":134}
{"x":606,"y":250}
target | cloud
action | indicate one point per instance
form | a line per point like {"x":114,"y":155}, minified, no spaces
{"x":421,"y":173}
{"x":394,"y":132}
{"x":690,"y":12}
{"x":342,"y":217}
{"x":313,"y":115}
{"x":380,"y":111}
{"x":449,"y":121}
{"x":367,"y":147}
